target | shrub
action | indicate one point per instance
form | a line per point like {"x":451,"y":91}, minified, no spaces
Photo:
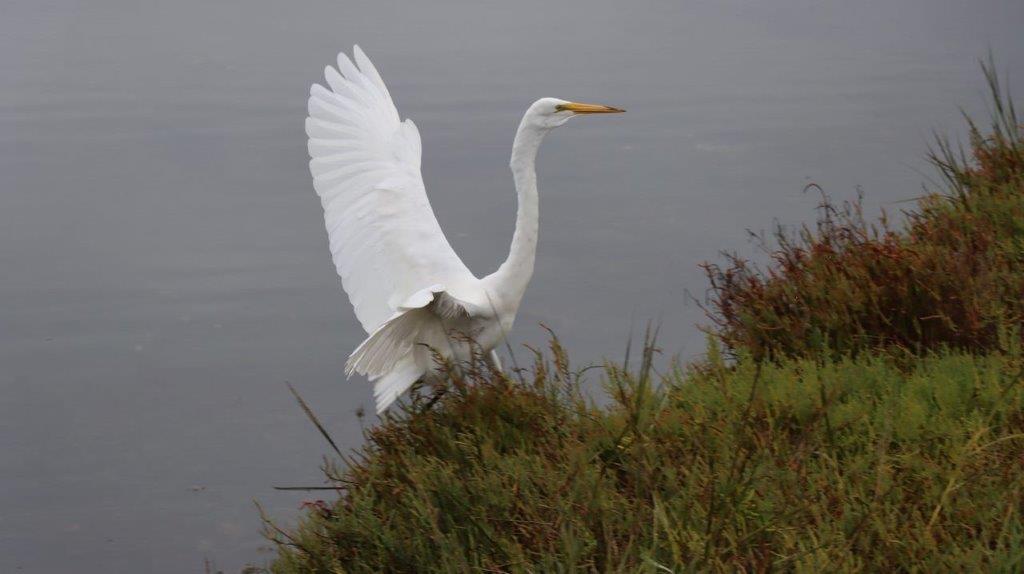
{"x":953,"y":276}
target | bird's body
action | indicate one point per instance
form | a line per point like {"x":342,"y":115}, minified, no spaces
{"x":409,"y":289}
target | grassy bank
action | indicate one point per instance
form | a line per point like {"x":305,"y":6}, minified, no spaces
{"x":861,"y":407}
{"x":804,"y":465}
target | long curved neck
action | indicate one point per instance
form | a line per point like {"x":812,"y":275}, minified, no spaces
{"x":510,"y":280}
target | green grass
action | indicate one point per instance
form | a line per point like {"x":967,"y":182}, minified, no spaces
{"x":860,"y":408}
{"x":848,"y":465}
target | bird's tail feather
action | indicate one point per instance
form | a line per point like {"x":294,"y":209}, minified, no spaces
{"x":378,"y":354}
{"x":387,"y":357}
{"x":387,"y":388}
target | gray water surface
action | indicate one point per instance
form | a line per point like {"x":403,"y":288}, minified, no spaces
{"x":164,"y":270}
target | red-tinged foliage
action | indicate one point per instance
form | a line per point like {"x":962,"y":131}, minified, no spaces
{"x":953,"y":276}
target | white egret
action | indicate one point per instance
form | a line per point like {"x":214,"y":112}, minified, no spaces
{"x":409,"y":289}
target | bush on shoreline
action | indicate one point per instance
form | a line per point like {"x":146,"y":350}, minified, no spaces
{"x":950,"y":278}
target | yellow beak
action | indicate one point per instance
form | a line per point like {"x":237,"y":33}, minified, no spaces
{"x":588,"y":108}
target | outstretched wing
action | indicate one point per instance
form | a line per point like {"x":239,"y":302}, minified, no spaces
{"x":384,"y":237}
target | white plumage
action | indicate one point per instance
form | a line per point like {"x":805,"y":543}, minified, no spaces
{"x":408,"y":288}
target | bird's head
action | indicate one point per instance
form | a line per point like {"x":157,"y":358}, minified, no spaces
{"x":552,"y":112}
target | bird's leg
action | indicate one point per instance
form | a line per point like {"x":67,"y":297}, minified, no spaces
{"x":437,"y":396}
{"x":439,"y":391}
{"x":493,"y":360}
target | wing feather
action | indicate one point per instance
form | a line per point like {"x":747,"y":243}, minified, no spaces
{"x":365,"y":162}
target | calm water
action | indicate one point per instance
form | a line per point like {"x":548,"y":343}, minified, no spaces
{"x":165,"y":270}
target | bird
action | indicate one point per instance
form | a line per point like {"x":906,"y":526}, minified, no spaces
{"x":409,"y":289}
